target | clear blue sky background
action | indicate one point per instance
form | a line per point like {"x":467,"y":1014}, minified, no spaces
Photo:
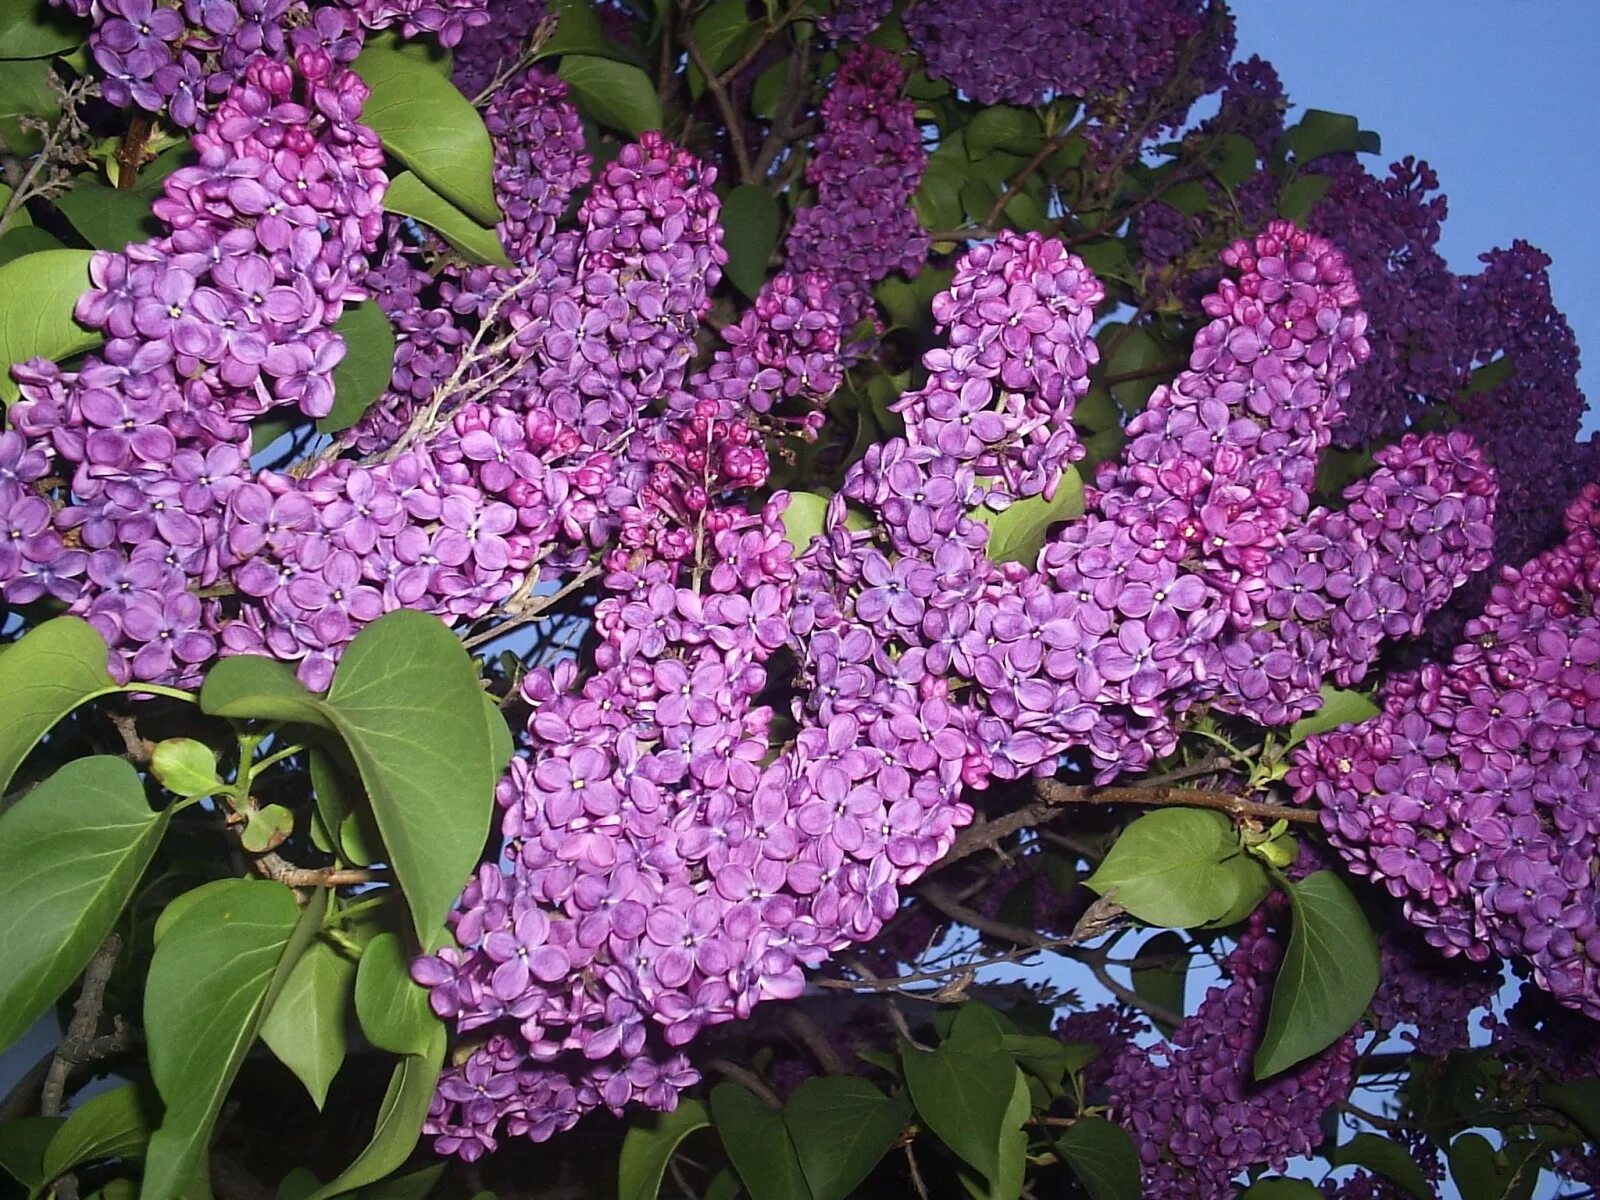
{"x":1502,"y":97}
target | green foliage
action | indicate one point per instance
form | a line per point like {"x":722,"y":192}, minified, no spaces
{"x":399,"y":1122}
{"x":37,"y":296}
{"x":363,"y":373}
{"x":53,"y":669}
{"x":1019,"y":533}
{"x":23,"y":1145}
{"x":617,"y":95}
{"x":1103,"y":1157}
{"x":393,"y":1010}
{"x":751,"y":221}
{"x":1339,"y":707}
{"x":650,"y":1145}
{"x":1329,"y":974}
{"x":305,"y":1027}
{"x":114,"y":1124}
{"x":33,"y":30}
{"x":964,"y":1097}
{"x":758,"y":1143}
{"x":1480,"y":1172}
{"x":1383,"y":1157}
{"x":1163,"y":982}
{"x":803,"y":519}
{"x":71,"y":853}
{"x":1178,"y":867}
{"x":841,"y":1126}
{"x":185,"y":767}
{"x":406,"y":702}
{"x":211,"y":981}
{"x":410,"y":197}
{"x":430,"y":127}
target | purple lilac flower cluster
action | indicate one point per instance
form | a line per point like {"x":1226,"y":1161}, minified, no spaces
{"x":1430,"y":999}
{"x":866,"y":165}
{"x":1389,"y":229}
{"x":1474,"y":797}
{"x":539,"y":159}
{"x":1027,"y":53}
{"x":486,"y":51}
{"x":855,"y":20}
{"x":224,"y":318}
{"x":1196,"y":1113}
{"x":176,"y":57}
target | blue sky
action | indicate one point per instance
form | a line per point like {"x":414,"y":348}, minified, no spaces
{"x":1500,"y":96}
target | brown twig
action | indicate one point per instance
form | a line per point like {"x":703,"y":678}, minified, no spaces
{"x":730,"y":115}
{"x":916,"y":1175}
{"x":76,"y":1046}
{"x":1236,"y":806}
{"x":136,"y":748}
{"x":783,"y":120}
{"x":747,"y":1077}
{"x":533,"y":609}
{"x":761,"y":43}
{"x":809,"y":1034}
{"x":305,"y":877}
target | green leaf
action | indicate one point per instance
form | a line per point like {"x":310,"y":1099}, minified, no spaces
{"x":109,"y":218}
{"x":1249,"y":879}
{"x":336,"y":794}
{"x":22,"y":240}
{"x":1019,"y":533}
{"x":432,"y":128}
{"x":298,"y":1184}
{"x":1300,"y":196}
{"x":650,"y":1145}
{"x":1190,"y":197}
{"x":186,"y":767}
{"x":71,"y":854}
{"x":1163,"y":984}
{"x":578,"y":31}
{"x":617,"y":95}
{"x":23,"y":1144}
{"x":53,"y":669}
{"x":1490,"y":376}
{"x":414,"y":1186}
{"x":804,"y":518}
{"x":410,"y":197}
{"x":114,"y":1124}
{"x":768,"y":91}
{"x":1579,"y":1100}
{"x":1386,"y":1158}
{"x":501,"y":744}
{"x":406,"y":700}
{"x":363,"y":373}
{"x":1480,"y":1172}
{"x":1236,"y":162}
{"x":963,"y":1097}
{"x":1048,"y":1058}
{"x":1002,"y":127}
{"x":1167,"y":868}
{"x":1329,"y":974}
{"x":305,"y":1027}
{"x":1103,"y":1157}
{"x":211,"y":982}
{"x":758,"y":1144}
{"x":25,"y":91}
{"x":750,"y":224}
{"x":34,"y":29}
{"x":722,"y":33}
{"x":1012,"y":1152}
{"x":36,"y":302}
{"x":393,"y":1009}
{"x":1340,"y":706}
{"x":1321,"y":132}
{"x":399,"y":1124}
{"x":184,"y":901}
{"x":250,"y":685}
{"x":1281,"y":1187}
{"x":841,"y":1127}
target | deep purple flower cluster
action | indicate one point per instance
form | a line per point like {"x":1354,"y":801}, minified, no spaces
{"x":1474,"y":796}
{"x":1196,"y":1112}
{"x":539,"y":159}
{"x":855,"y":20}
{"x":208,"y":327}
{"x":866,"y":165}
{"x":1119,"y":54}
{"x":1428,"y":998}
{"x":486,"y":51}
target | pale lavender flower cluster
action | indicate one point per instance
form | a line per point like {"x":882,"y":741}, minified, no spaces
{"x":1027,"y":53}
{"x":226,"y":317}
{"x":1474,"y":797}
{"x":175,"y":58}
{"x":1192,"y":1104}
{"x":866,"y":164}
